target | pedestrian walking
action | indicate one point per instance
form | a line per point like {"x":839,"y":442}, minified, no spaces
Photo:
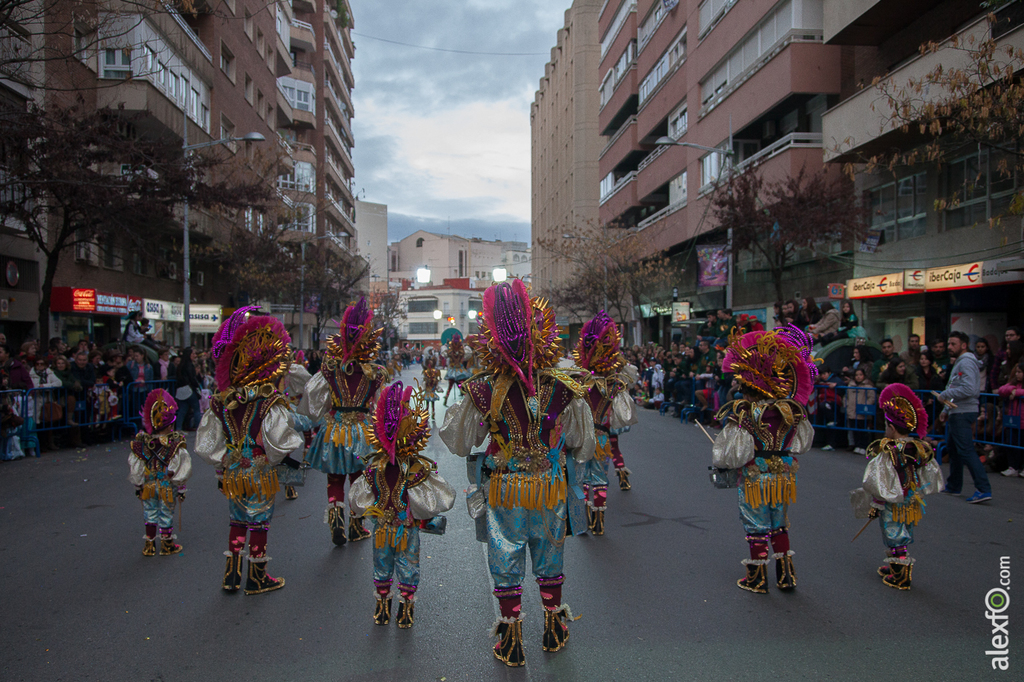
{"x":960,"y":412}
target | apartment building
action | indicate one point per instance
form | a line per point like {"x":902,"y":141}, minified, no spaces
{"x":372,"y":228}
{"x":565,"y":143}
{"x":923,"y":270}
{"x":434,"y":313}
{"x":755,"y":74}
{"x":453,"y":257}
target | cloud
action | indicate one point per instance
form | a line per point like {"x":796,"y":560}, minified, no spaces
{"x":442,"y":135}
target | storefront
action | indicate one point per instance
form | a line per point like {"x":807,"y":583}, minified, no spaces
{"x":204,"y":320}
{"x":97,"y":316}
{"x":980,"y":299}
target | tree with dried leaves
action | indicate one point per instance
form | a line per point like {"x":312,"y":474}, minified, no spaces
{"x":70,"y":176}
{"x":973,"y":99}
{"x":777,"y":219}
{"x":388,"y":313}
{"x":614,"y":269}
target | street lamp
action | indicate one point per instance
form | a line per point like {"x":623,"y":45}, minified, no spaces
{"x":423,"y":277}
{"x":499,"y":274}
{"x":437,"y":314}
{"x":472,"y":314}
{"x":185,"y":149}
{"x":666,"y":141}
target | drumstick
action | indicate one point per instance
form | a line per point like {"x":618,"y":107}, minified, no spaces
{"x":706,"y":433}
{"x":863,"y":529}
{"x":947,"y":403}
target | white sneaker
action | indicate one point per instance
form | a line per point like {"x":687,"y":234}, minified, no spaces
{"x":860,"y":451}
{"x":1010,"y":471}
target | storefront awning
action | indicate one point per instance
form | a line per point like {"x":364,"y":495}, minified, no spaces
{"x":90,"y":301}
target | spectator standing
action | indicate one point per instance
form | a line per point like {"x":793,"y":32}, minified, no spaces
{"x":1009,"y":336}
{"x":987,"y":363}
{"x":912,"y":355}
{"x":929,"y":378}
{"x":84,"y":377}
{"x":1014,"y":355}
{"x":898,"y":372}
{"x":940,"y":359}
{"x":962,"y":391}
{"x":15,"y":376}
{"x":165,"y":368}
{"x":1013,"y":414}
{"x":187,"y":392}
{"x":888,"y":355}
{"x":860,"y":392}
{"x":859,"y":359}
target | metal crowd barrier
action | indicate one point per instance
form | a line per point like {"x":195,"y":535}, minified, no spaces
{"x":58,"y":409}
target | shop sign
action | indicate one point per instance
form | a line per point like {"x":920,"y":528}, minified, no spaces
{"x":836,"y":291}
{"x":914,"y":280}
{"x":873,"y":287}
{"x":680,"y":312}
{"x":991,"y":274}
{"x":953,"y":277}
{"x":83,"y":300}
{"x":204,"y":318}
{"x":166,"y":311}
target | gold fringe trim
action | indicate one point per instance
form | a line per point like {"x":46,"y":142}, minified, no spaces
{"x":388,"y":535}
{"x":603,"y":452}
{"x":770,"y":490}
{"x":154,"y":489}
{"x":909,"y":512}
{"x":253,"y":482}
{"x":529,"y":491}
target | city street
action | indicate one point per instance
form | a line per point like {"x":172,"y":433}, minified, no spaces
{"x":656,"y":593}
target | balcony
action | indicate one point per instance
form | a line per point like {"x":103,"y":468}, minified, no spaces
{"x":343,"y":67}
{"x":285,"y":112}
{"x":300,"y":95}
{"x":871,"y":22}
{"x":158,"y":115}
{"x":791,"y":141}
{"x":302,"y":35}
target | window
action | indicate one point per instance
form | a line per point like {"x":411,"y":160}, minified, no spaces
{"x":150,"y":59}
{"x":422,"y":327}
{"x":194,"y":105}
{"x":282,"y":25}
{"x":677,"y":122}
{"x":260,"y":42}
{"x":304,"y":218}
{"x":711,"y":11}
{"x":227,"y":128}
{"x":677,"y":190}
{"x":139,"y":264}
{"x":711,"y":167}
{"x":607,"y":185}
{"x":82,"y":45}
{"x":247,"y":24}
{"x":673,"y":56}
{"x":204,"y":117}
{"x":248,"y":89}
{"x":227,"y":62}
{"x":162,"y":75}
{"x":172,"y":84}
{"x":983,"y":183}
{"x":422,"y":305}
{"x":260,"y":104}
{"x":419,"y":242}
{"x":899,"y":210}
{"x":651,"y":23}
{"x":117,"y":63}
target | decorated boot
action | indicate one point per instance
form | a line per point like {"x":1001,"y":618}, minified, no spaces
{"x":623,"y":475}
{"x":556,"y":633}
{"x":899,"y":573}
{"x":233,"y":572}
{"x":509,"y":648}
{"x":168,"y":546}
{"x":290,"y":493}
{"x":382,"y":611}
{"x":259,"y":581}
{"x":756,"y":579}
{"x":149,"y":549}
{"x":356,"y":530}
{"x":336,"y":522}
{"x":405,"y":612}
{"x":784,"y":572}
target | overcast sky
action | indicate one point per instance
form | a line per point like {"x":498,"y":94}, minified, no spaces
{"x":443,"y":135}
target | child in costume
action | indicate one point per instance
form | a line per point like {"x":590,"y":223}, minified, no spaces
{"x":598,"y":352}
{"x":246,"y":433}
{"x":901,"y":469}
{"x":457,"y":370}
{"x":340,"y":396}
{"x":762,"y":434}
{"x":431,"y":382}
{"x":533,"y":413}
{"x":159,"y":465}
{"x":294,"y":386}
{"x":401,"y":491}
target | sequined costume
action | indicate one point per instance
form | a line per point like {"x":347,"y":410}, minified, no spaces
{"x":431,"y":382}
{"x":598,"y":353}
{"x":533,"y":414}
{"x":341,"y":396}
{"x":901,"y":469}
{"x":763,"y":432}
{"x":294,"y":386}
{"x":245,"y":434}
{"x":400,"y":490}
{"x":458,"y":365}
{"x":158,"y":466}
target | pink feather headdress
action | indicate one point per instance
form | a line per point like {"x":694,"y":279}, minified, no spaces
{"x":775,"y":364}
{"x":903,"y":409}
{"x":398,"y":429}
{"x":509,"y":318}
{"x":598,"y":347}
{"x":356,"y":340}
{"x":256,"y":353}
{"x":159,"y":411}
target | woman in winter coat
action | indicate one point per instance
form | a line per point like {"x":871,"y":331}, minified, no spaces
{"x":827,"y":329}
{"x":188,"y":400}
{"x":860,"y":392}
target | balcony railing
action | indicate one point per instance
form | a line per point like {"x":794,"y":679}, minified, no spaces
{"x":655,"y":217}
{"x":791,"y":141}
{"x":298,"y":23}
{"x":330,"y":53}
{"x":622,"y":182}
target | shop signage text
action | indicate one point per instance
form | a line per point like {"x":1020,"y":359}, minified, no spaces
{"x":872,"y":287}
{"x":965,"y":276}
{"x":82,"y":300}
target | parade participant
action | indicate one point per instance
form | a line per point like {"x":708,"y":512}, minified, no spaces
{"x":763,"y":431}
{"x":247,"y":432}
{"x":341,"y":396}
{"x":431,"y":382}
{"x":294,"y":386}
{"x":159,"y":465}
{"x":457,"y":371}
{"x":401,"y":491}
{"x":598,"y":352}
{"x":533,"y":413}
{"x":901,"y":469}
{"x":618,"y":461}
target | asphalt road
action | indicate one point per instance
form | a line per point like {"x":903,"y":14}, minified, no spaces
{"x":657,"y":592}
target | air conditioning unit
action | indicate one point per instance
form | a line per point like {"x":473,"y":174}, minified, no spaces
{"x":172,"y":270}
{"x":199,"y":278}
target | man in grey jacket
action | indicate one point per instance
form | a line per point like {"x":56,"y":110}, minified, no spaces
{"x":964,"y":386}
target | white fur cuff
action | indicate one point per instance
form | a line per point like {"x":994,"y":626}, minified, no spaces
{"x":779,"y":555}
{"x":258,"y":559}
{"x":754,"y":562}
{"x":507,"y":621}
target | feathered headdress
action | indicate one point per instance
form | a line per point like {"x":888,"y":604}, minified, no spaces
{"x":356,"y":340}
{"x":159,"y":411}
{"x":903,"y":409}
{"x":255,"y":352}
{"x":398,"y":430}
{"x":517,"y":335}
{"x":598,"y":348}
{"x":775,"y":364}
{"x":222,"y":337}
{"x":455,"y":347}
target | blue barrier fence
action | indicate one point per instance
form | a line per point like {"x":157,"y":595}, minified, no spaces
{"x":42,"y":411}
{"x":839,"y":410}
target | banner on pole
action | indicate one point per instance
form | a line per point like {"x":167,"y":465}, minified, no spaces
{"x":712,"y":266}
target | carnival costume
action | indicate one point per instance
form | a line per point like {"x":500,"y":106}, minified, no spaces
{"x":159,"y":465}
{"x":458,"y":370}
{"x":247,"y":432}
{"x":340,"y":396}
{"x":294,"y":386}
{"x":618,"y":461}
{"x":533,"y":413}
{"x":431,"y":383}
{"x":401,"y":490}
{"x":598,"y":352}
{"x":763,"y":431}
{"x":899,"y":473}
